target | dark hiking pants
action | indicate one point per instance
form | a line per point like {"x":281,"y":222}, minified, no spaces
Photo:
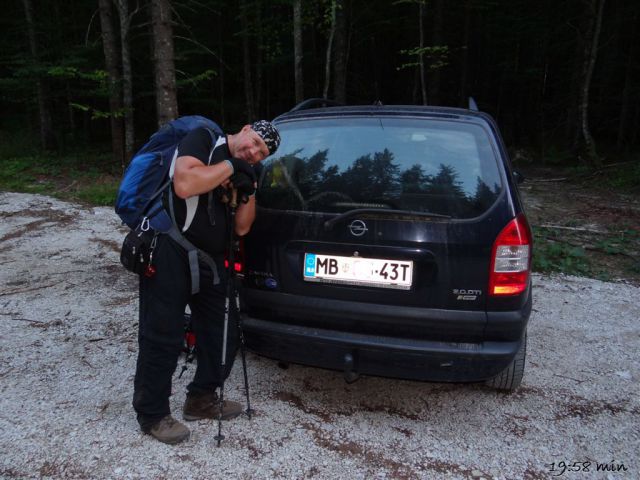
{"x":163,"y":299}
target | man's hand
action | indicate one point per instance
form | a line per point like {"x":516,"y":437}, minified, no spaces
{"x":245,"y":185}
{"x":240,"y":166}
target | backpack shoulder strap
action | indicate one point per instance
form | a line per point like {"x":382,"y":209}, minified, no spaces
{"x":194,"y":253}
{"x":214,"y":139}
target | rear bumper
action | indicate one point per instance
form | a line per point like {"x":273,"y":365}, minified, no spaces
{"x":391,"y":356}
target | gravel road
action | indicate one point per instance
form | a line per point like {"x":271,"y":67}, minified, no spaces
{"x":68,"y":350}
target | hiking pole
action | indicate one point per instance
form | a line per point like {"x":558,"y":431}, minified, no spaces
{"x":234,"y":291}
{"x":243,"y":355}
{"x":223,"y":362}
{"x":233,"y":203}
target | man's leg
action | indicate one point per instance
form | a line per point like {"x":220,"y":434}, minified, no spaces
{"x":207,"y":316}
{"x":162,"y":301}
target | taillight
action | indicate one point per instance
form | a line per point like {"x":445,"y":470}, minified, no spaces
{"x":237,"y":266}
{"x":190,"y":339}
{"x":511,"y":259}
{"x":238,"y":263}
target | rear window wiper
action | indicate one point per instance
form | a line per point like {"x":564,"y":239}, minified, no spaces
{"x":328,"y":225}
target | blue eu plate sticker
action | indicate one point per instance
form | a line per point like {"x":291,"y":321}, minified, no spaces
{"x":310,"y":265}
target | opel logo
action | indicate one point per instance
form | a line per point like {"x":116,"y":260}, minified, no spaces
{"x":358,"y":228}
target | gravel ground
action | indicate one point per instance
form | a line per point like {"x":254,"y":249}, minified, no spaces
{"x":68,"y":350}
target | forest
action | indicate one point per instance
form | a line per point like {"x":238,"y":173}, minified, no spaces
{"x":562,"y":78}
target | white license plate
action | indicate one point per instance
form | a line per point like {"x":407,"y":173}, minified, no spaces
{"x":372,"y":272}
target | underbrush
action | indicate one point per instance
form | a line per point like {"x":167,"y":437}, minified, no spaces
{"x":622,"y":176}
{"x":89,"y":176}
{"x":605,"y":256}
{"x":586,"y":221}
{"x":552,"y":255}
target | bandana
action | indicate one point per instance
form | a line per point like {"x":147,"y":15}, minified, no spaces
{"x":268,"y":133}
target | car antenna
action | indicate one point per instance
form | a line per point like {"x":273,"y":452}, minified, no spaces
{"x":473,"y":105}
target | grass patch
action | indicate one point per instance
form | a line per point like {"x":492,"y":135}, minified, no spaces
{"x":603,"y":256}
{"x":625,"y":177}
{"x":552,"y":255}
{"x":100,"y":194}
{"x":622,"y":177}
{"x":86,"y":176}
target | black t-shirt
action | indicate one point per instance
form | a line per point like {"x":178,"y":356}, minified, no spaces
{"x":206,"y":229}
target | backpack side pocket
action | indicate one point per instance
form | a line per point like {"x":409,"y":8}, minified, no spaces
{"x":135,"y":252}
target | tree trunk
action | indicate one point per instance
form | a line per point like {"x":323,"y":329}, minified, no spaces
{"x":423,"y":80}
{"x":437,"y":41}
{"x":540,"y":104}
{"x":109,"y":46}
{"x":628,"y":83}
{"x":297,"y":49}
{"x":248,"y":82}
{"x":463,"y":97}
{"x":47,"y":138}
{"x":327,"y":65}
{"x":68,"y":97}
{"x":590,"y":54}
{"x":340,"y":53}
{"x":373,"y":51}
{"x":259,"y":57}
{"x":221,"y":68}
{"x":163,"y":60}
{"x":127,"y":76}
{"x":316,"y":64}
{"x":636,"y":126}
{"x":70,"y":111}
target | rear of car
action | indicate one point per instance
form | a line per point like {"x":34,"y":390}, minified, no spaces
{"x":390,"y":241}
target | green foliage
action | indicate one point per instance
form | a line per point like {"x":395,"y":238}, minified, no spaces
{"x":435,"y":57}
{"x":83,"y":175}
{"x":626,"y":177}
{"x":68,"y":72}
{"x":557,"y":156}
{"x":610,"y":247}
{"x":550,"y":255}
{"x":99,"y":194}
{"x":555,"y":251}
{"x":95,"y":113}
{"x":16,"y":144}
{"x":195,"y":80}
{"x":517,"y":58}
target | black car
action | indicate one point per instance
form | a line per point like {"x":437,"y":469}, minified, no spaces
{"x":391,"y":241}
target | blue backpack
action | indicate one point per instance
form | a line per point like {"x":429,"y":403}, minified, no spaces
{"x":147,"y":176}
{"x":139,"y":201}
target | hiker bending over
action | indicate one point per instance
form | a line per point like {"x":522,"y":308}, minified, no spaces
{"x":202,"y":169}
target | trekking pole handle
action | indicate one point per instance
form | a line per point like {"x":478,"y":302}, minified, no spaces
{"x":234,"y":198}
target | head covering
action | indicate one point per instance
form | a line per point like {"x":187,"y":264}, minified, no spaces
{"x":268,"y":133}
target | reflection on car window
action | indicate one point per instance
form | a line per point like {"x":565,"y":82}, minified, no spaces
{"x":335,"y":165}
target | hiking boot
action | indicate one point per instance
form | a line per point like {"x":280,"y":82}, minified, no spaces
{"x":169,"y":430}
{"x":207,"y":405}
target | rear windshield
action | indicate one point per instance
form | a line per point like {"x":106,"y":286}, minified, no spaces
{"x":336,"y":165}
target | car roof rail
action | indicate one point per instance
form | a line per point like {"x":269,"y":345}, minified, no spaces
{"x":473,"y":105}
{"x":315,"y":103}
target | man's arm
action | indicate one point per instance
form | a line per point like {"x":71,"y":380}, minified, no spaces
{"x":191,"y":177}
{"x":245,"y":215}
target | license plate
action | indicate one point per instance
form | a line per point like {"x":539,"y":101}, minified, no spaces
{"x":372,"y":272}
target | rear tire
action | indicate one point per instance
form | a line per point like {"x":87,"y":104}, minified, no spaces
{"x":511,"y":377}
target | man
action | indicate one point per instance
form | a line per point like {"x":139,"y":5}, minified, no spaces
{"x":204,"y":164}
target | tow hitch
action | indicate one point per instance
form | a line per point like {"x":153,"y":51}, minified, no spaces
{"x":350,"y":374}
